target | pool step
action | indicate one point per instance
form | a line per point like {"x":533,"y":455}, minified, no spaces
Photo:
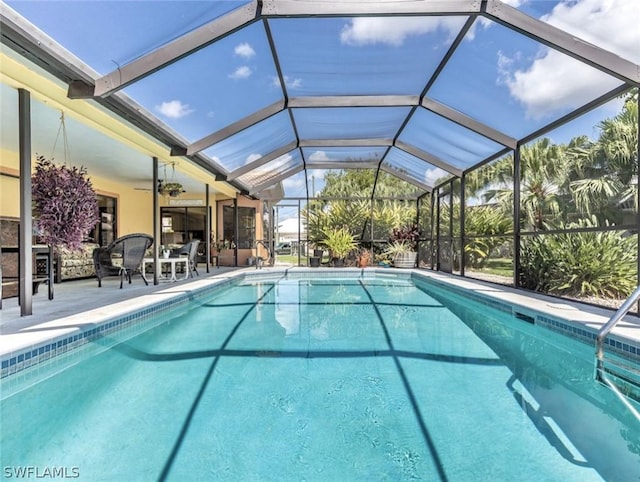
{"x":625,"y":376}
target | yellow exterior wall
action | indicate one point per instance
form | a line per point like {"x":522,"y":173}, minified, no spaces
{"x":135,"y":208}
{"x":9,"y":185}
{"x":9,"y":196}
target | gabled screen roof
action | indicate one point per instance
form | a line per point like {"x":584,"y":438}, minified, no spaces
{"x":269,"y":94}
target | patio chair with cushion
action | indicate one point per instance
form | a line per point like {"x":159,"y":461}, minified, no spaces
{"x":122,"y":257}
{"x":191,"y":250}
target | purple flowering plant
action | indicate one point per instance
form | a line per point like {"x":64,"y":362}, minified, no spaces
{"x":408,"y":235}
{"x":64,"y":203}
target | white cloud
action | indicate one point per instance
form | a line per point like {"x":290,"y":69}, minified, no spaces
{"x":244,"y":50}
{"x":394,"y":30}
{"x":241,"y":72}
{"x":289,"y":82}
{"x":174,"y":109}
{"x":270,"y":166}
{"x":432,"y":176}
{"x":282,"y":160}
{"x":319,"y":156}
{"x":610,"y":24}
{"x":554,"y":81}
{"x":294,"y":182}
{"x":252,"y":157}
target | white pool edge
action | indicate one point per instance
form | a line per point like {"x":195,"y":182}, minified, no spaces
{"x":25,"y":348}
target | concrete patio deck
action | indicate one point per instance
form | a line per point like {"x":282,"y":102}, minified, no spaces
{"x":81,"y":296}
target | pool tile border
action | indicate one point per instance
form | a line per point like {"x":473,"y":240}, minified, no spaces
{"x":125,"y":326}
{"x":624,"y":347}
{"x":53,"y":351}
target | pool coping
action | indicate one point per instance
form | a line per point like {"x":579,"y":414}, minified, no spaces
{"x":46,"y":341}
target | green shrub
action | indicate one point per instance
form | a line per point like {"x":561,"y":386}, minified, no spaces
{"x":601,"y":264}
{"x":484,"y":221}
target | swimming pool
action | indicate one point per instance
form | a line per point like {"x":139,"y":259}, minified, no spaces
{"x":290,"y":378}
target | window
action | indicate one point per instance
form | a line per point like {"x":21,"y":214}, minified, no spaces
{"x":105,"y":231}
{"x":183,"y":224}
{"x":246,"y":226}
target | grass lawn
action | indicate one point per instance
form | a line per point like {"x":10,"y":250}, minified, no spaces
{"x":497,"y":266}
{"x":291,"y":258}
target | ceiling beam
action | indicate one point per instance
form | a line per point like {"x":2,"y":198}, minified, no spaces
{"x":560,"y":40}
{"x":401,"y":175}
{"x":327,"y":8}
{"x":426,"y":157}
{"x":236,"y":127}
{"x":241,"y":171}
{"x":354,"y":101}
{"x":276,"y":179}
{"x":176,"y":49}
{"x":342,"y":165}
{"x":468,"y":122}
{"x":345,"y":142}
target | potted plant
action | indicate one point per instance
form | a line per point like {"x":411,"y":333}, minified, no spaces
{"x":363,"y":258}
{"x":65,"y":207}
{"x":172,"y":189}
{"x":340,"y":243}
{"x":402,"y":247}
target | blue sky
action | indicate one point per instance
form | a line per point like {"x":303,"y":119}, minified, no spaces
{"x":503,"y":79}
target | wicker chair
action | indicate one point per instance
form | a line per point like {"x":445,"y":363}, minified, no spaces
{"x":122,"y":257}
{"x":191,"y":250}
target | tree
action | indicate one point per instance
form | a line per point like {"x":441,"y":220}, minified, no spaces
{"x":323,"y":214}
{"x":543,"y":184}
{"x":607,"y":170}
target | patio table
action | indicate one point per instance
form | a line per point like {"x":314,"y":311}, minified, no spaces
{"x":167,"y":261}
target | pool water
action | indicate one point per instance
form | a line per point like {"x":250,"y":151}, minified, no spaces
{"x":329,"y":379}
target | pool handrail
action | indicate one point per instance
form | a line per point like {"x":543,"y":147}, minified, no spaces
{"x":259,"y":260}
{"x":609,"y":325}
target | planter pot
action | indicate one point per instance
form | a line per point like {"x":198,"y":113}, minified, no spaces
{"x":337,"y":262}
{"x":314,"y":262}
{"x":405,"y":260}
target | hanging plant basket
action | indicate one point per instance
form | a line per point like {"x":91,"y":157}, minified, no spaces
{"x":172,"y":189}
{"x":65,"y":207}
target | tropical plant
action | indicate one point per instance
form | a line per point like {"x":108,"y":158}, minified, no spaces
{"x":339,"y":241}
{"x":487,"y":221}
{"x":606,"y":171}
{"x":390,"y":213}
{"x":563,"y":183}
{"x":322,"y":214}
{"x":592,"y":263}
{"x":408,"y":235}
{"x":65,"y":207}
{"x":398,"y":247}
{"x":383,"y":258}
{"x":543,"y":185}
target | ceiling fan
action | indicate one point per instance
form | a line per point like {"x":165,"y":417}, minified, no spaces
{"x":171,"y":188}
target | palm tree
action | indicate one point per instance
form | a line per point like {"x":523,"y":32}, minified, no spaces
{"x":607,"y":171}
{"x":543,"y":185}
